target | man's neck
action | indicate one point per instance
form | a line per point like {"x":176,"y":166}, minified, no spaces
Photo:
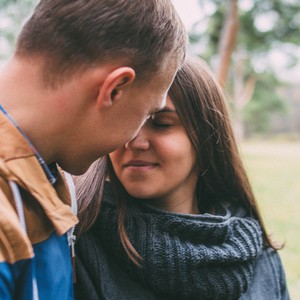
{"x":23,"y":98}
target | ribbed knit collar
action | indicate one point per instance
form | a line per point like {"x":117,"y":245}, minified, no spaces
{"x":184,"y":256}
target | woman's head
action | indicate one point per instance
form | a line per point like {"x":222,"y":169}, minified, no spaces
{"x":188,"y":146}
{"x":160,"y":163}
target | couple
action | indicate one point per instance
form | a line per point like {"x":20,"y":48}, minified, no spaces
{"x":83,"y":81}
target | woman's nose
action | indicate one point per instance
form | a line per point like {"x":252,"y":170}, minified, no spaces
{"x":139,"y":142}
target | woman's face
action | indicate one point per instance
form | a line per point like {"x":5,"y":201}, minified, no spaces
{"x":160,"y":163}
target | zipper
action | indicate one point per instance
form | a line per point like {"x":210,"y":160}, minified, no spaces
{"x":71,"y":235}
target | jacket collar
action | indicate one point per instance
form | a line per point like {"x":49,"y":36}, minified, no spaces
{"x":15,"y":157}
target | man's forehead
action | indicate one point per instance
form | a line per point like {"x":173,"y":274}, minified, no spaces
{"x":162,"y":103}
{"x":167,"y":71}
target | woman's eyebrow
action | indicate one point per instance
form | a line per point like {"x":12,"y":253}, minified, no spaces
{"x":166,"y":110}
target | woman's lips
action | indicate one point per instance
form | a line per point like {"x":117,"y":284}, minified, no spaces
{"x":140,"y":165}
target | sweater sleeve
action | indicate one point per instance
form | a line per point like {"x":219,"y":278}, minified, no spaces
{"x":268,"y":278}
{"x":284,"y":294}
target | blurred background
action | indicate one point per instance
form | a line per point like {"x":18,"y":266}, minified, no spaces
{"x":253,"y":48}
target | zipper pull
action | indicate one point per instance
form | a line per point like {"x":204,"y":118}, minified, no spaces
{"x":72,"y":240}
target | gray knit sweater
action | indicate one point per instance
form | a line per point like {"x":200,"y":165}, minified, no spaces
{"x":184,"y":257}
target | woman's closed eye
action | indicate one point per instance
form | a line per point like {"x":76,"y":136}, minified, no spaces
{"x":161,"y":123}
{"x":164,"y":119}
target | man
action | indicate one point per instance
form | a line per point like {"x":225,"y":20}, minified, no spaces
{"x":84,"y":77}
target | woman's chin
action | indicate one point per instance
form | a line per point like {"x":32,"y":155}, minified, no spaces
{"x":142,"y":194}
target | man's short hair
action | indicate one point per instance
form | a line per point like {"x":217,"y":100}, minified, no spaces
{"x":73,"y":35}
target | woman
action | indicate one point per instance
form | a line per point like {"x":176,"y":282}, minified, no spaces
{"x":178,"y":218}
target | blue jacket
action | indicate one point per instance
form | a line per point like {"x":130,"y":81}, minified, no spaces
{"x":35,"y":217}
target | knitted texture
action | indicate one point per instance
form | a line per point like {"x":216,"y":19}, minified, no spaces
{"x":184,"y":256}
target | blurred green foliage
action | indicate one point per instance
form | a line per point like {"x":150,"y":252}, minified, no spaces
{"x":264,"y":103}
{"x":284,"y":14}
{"x":265,"y":26}
{"x":12,"y":15}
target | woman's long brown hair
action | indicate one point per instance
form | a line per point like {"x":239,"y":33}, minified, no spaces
{"x":89,"y":192}
{"x":202,"y":108}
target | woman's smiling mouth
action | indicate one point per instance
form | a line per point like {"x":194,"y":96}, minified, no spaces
{"x":140,"y":165}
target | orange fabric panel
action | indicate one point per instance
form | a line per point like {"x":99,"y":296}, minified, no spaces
{"x":14,"y":243}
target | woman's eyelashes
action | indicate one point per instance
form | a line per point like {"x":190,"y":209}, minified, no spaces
{"x":163,"y":120}
{"x":159,"y":123}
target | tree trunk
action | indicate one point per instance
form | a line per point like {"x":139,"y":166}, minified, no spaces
{"x":243,"y":90}
{"x":227,"y":41}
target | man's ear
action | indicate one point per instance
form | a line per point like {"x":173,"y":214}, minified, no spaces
{"x":112,"y":87}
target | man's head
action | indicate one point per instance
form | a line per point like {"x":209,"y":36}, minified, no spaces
{"x":73,"y":35}
{"x":109,"y":62}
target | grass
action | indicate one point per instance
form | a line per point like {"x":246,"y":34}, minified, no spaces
{"x":274,"y":171}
